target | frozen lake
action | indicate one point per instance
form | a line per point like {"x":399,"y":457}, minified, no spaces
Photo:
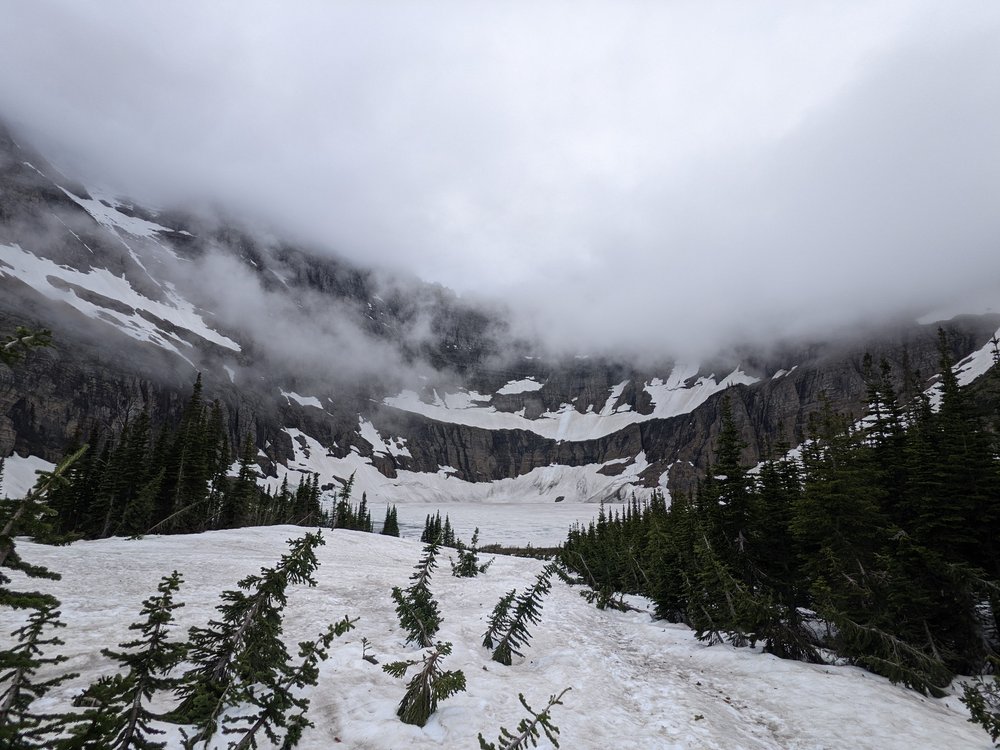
{"x":518,"y":524}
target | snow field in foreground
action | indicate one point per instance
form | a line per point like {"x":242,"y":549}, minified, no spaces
{"x":636,"y":683}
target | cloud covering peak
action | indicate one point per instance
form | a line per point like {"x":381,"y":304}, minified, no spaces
{"x":624,"y":175}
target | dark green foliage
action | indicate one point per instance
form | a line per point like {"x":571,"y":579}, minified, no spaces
{"x":528,"y":730}
{"x":353,"y":517}
{"x":390,"y":526}
{"x":174,"y":479}
{"x":438,"y":531}
{"x":20,"y":727}
{"x":416,"y":607}
{"x":508,"y":624}
{"x":468,"y":565}
{"x":239,"y":498}
{"x":238,"y":654}
{"x":121,"y":718}
{"x":428,"y":686}
{"x":273,"y":704}
{"x":885,"y":530}
{"x":982,"y":698}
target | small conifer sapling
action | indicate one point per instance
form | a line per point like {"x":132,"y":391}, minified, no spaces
{"x":243,"y":650}
{"x":273,"y":703}
{"x":20,"y":727}
{"x":529,"y":729}
{"x":120,"y":718}
{"x":508,"y":624}
{"x":468,"y":559}
{"x":418,"y":611}
{"x":428,"y":686}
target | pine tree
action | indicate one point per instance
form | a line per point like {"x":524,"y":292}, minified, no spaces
{"x":528,"y":730}
{"x":468,"y":559}
{"x":416,"y":607}
{"x":20,"y":727}
{"x":138,"y":511}
{"x":508,"y":627}
{"x":240,"y":500}
{"x":433,"y":529}
{"x":122,"y":718}
{"x":390,"y":526}
{"x":428,"y":686}
{"x":273,"y":703}
{"x":244,"y":647}
{"x":982,"y":698}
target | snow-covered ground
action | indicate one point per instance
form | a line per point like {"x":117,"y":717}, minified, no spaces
{"x":637,"y":683}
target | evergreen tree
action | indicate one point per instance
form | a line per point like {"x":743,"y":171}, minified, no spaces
{"x":122,"y":718}
{"x":273,"y":704}
{"x":433,"y":529}
{"x":29,"y":516}
{"x":240,"y":501}
{"x":416,"y":607}
{"x":390,"y":526}
{"x":468,"y":559}
{"x":982,"y":698}
{"x":528,"y":730}
{"x":243,"y":648}
{"x":428,"y":686}
{"x":508,"y":626}
{"x":20,"y":727}
{"x":138,"y":512}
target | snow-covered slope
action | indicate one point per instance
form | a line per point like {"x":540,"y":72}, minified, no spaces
{"x":636,"y":683}
{"x":670,"y":397}
{"x":99,"y":294}
{"x":574,"y":484}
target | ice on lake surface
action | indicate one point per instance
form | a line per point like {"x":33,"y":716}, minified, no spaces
{"x":516,"y":524}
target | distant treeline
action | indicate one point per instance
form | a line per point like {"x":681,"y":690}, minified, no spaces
{"x":181,"y":480}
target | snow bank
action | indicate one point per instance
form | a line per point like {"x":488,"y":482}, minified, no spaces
{"x":301,"y":400}
{"x":636,"y":684}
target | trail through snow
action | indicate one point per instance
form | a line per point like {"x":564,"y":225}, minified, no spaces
{"x":637,"y":683}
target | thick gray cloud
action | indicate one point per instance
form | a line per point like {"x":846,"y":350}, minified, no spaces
{"x":625,"y":175}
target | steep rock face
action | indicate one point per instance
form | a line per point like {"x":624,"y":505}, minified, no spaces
{"x":108,"y":277}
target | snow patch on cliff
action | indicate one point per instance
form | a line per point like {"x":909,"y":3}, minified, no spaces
{"x":302,"y":400}
{"x":520,"y":386}
{"x":574,"y":484}
{"x":57,"y":283}
{"x":670,"y":398}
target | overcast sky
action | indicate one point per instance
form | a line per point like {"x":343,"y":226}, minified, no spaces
{"x":647,"y":175}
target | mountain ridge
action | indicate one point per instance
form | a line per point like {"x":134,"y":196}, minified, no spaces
{"x":302,"y":344}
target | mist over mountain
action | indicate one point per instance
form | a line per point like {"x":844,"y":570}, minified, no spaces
{"x":617,"y":187}
{"x":511,"y":244}
{"x":341,"y":370}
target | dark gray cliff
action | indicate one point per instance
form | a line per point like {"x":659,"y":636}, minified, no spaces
{"x":105,"y":365}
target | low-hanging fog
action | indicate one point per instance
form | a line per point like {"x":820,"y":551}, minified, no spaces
{"x":626,"y":177}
